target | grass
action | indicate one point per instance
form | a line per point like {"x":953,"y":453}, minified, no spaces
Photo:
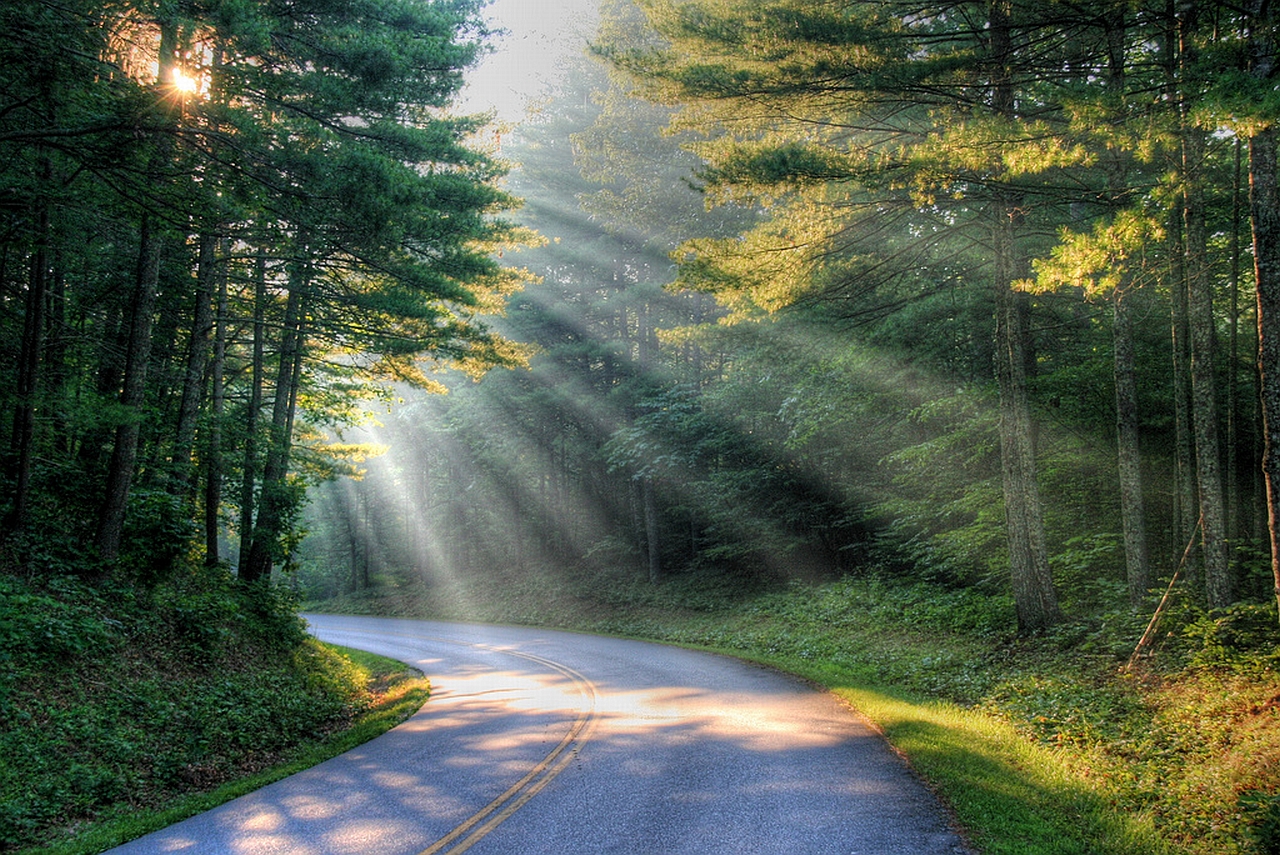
{"x":396,"y":693}
{"x":1040,"y":747}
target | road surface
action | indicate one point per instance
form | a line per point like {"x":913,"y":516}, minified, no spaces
{"x":547,"y":742}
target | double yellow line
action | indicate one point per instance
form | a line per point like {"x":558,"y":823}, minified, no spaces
{"x":489,"y":817}
{"x":485,"y":820}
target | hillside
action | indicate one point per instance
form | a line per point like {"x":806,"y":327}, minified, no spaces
{"x":125,"y":709}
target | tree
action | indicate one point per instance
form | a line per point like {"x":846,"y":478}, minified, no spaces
{"x":902,"y":105}
{"x":298,"y":162}
{"x":1264,"y":211}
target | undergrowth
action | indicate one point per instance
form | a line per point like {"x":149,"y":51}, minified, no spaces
{"x":117,"y":701}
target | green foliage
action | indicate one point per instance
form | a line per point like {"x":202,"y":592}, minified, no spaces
{"x":57,"y":623}
{"x":114,"y":694}
{"x":1246,"y":635}
{"x":1263,"y":812}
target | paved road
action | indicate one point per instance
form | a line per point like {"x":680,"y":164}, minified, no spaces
{"x":546,"y":742}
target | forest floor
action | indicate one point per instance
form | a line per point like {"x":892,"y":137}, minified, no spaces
{"x":1056,"y":745}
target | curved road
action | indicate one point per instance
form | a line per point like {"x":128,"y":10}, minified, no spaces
{"x":547,"y":742}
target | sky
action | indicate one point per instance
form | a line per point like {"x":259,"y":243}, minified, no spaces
{"x":539,"y":33}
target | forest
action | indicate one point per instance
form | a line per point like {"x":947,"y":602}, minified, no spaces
{"x":975,"y":294}
{"x":970,"y":308}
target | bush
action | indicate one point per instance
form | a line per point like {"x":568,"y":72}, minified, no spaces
{"x":1240,"y":636}
{"x":1262,"y":811}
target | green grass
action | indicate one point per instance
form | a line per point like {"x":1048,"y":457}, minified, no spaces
{"x":397,"y":692}
{"x":1012,"y":796}
{"x":126,"y":707}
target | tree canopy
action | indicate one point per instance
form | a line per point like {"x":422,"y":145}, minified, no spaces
{"x":956,"y":291}
{"x":223,"y":225}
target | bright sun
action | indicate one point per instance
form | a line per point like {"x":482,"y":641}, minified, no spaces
{"x":184,"y":84}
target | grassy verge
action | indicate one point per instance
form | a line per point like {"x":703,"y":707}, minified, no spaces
{"x":395,"y":691}
{"x":1044,"y":747}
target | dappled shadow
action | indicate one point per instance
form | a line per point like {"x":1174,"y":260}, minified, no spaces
{"x":659,"y":750}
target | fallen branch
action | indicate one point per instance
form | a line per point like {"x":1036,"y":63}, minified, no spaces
{"x":1150,"y":632}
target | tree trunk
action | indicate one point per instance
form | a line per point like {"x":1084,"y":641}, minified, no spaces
{"x":22,"y":445}
{"x":250,"y":466}
{"x":1185,"y":514}
{"x":1232,"y":463}
{"x":139,"y":319}
{"x":1264,"y":214}
{"x":1035,"y":599}
{"x":1034,"y":596}
{"x":652,"y":540}
{"x":213,"y":451}
{"x":1264,"y":204}
{"x":1132,"y":510}
{"x":273,"y":499}
{"x":1128,"y":450}
{"x":1200,"y":321}
{"x":125,"y":451}
{"x":193,"y":386}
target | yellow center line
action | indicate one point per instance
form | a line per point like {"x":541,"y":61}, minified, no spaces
{"x":500,"y":809}
{"x":469,"y":832}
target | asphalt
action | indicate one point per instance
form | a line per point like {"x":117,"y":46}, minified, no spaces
{"x":546,"y":742}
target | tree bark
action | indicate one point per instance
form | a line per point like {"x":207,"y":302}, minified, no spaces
{"x":193,"y":385}
{"x":1204,"y":408}
{"x":273,"y":499}
{"x":124,"y":454}
{"x":139,"y":319}
{"x":249,"y":473}
{"x":217,"y":403}
{"x":653,"y":541}
{"x":1218,"y":583}
{"x":1128,"y":448}
{"x":22,"y":445}
{"x":1035,"y":599}
{"x":1034,"y":596}
{"x":1264,"y":215}
{"x":1132,"y":510}
{"x":1185,"y":512}
{"x":1264,"y":204}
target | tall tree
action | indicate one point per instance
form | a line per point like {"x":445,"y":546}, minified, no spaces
{"x":1264,"y":211}
{"x":269,"y":128}
{"x":901,"y":103}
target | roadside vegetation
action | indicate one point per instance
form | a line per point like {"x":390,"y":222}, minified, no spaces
{"x":1041,"y":746}
{"x":125,"y":710}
